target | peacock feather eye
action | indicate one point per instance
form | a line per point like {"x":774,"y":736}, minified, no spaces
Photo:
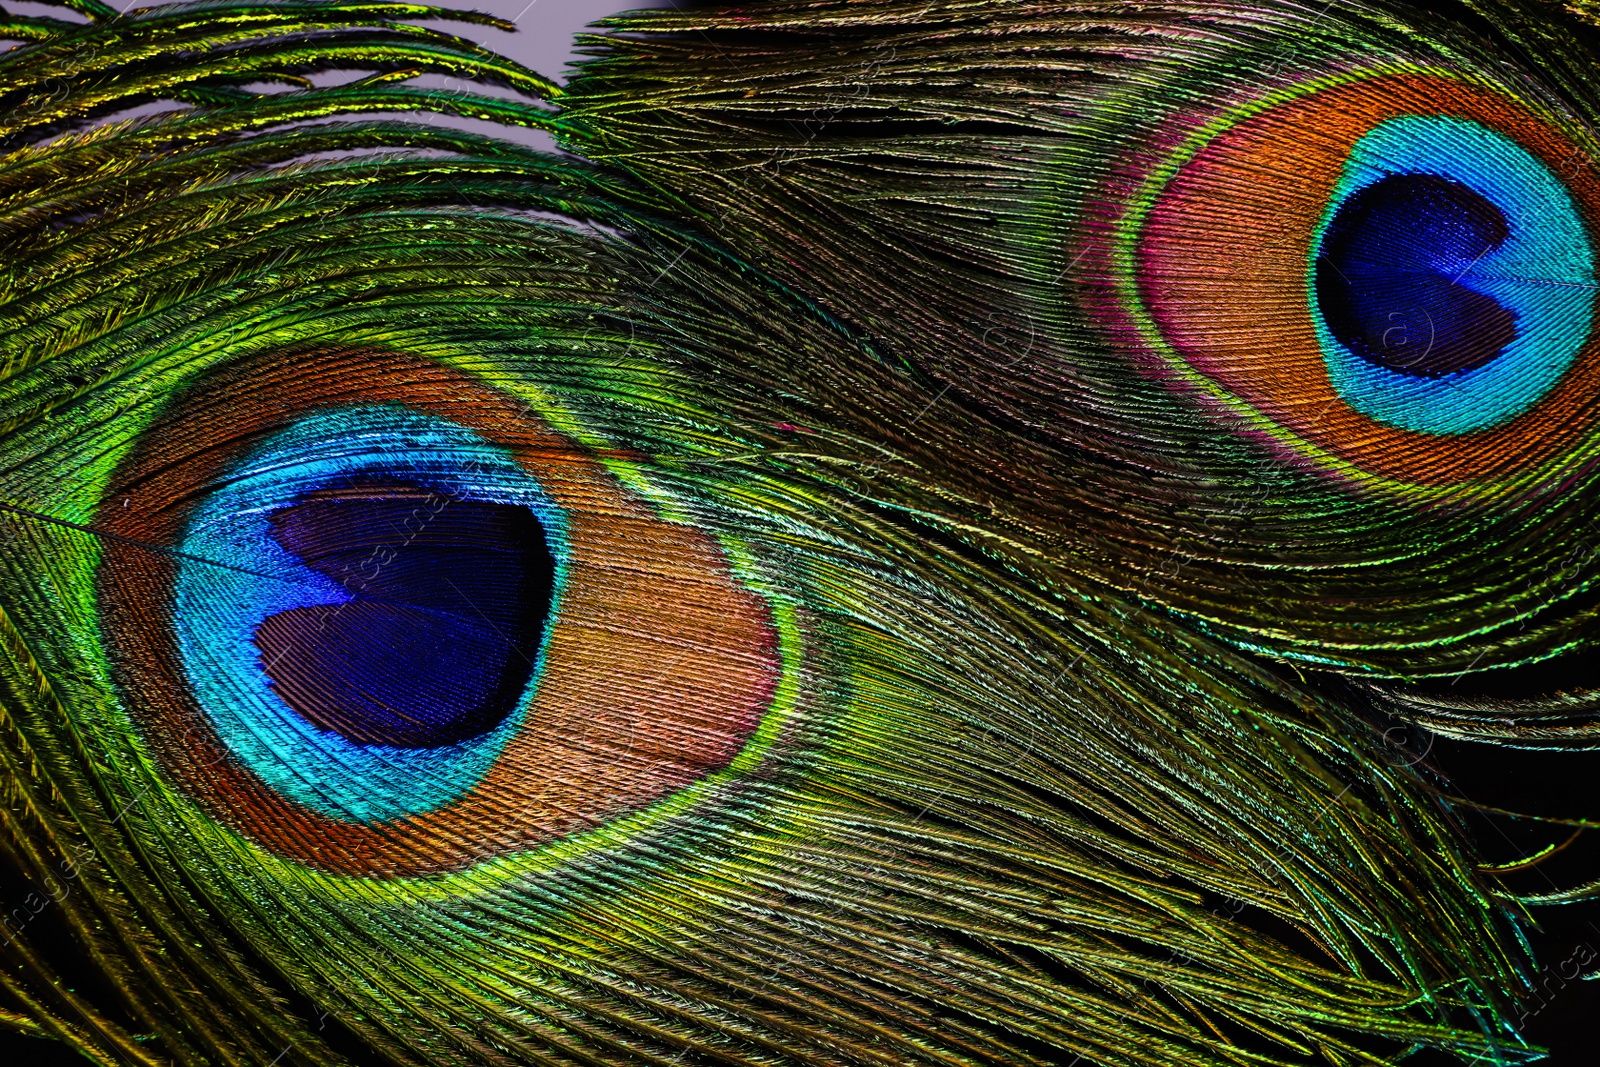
{"x":1393,"y":273}
{"x":1420,"y":272}
{"x":390,"y":591}
{"x":1217,"y":297}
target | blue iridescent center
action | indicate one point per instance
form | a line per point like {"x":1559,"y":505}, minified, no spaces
{"x":378,"y":632}
{"x":448,"y":598}
{"x":1389,"y":280}
{"x":1452,"y":279}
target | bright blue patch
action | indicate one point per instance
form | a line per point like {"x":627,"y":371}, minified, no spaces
{"x":1542,"y":274}
{"x":217,"y":611}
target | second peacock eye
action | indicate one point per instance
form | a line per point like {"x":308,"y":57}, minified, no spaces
{"x":1391,"y":275}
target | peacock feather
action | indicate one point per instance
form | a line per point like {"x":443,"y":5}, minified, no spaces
{"x":904,"y":541}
